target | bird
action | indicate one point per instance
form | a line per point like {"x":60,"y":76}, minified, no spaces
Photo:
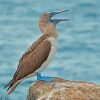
{"x":38,"y":56}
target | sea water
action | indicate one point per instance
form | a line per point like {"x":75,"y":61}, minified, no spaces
{"x":78,"y":53}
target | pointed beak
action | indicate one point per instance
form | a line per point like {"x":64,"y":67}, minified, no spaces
{"x":56,"y":21}
{"x":51,"y":14}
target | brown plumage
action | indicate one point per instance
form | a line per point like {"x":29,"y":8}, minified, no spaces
{"x":32,"y":59}
{"x":43,"y":21}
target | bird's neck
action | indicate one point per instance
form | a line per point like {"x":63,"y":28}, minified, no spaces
{"x":52,"y":34}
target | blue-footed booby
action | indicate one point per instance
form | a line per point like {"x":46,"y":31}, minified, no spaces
{"x":39,"y":54}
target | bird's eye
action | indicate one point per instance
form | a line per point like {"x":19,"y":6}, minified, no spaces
{"x":51,"y":14}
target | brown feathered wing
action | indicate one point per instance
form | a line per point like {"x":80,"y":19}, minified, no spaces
{"x":31,"y":60}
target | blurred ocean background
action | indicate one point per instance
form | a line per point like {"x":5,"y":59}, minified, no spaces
{"x":78,"y":53}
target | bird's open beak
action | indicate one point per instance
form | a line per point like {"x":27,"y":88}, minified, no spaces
{"x":51,"y":14}
{"x":56,"y":21}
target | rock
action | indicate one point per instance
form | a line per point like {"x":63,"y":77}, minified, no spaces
{"x":60,"y":89}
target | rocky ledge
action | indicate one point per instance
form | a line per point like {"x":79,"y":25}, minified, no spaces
{"x":60,"y":89}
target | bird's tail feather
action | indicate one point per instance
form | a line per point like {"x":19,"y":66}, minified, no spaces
{"x":10,"y":83}
{"x":11,"y":89}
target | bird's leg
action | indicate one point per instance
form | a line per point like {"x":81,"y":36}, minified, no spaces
{"x":43,"y":78}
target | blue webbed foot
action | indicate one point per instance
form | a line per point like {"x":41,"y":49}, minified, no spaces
{"x":43,"y":78}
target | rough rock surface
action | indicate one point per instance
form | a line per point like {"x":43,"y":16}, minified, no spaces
{"x":60,"y":89}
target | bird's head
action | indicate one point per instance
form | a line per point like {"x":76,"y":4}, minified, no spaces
{"x":46,"y":18}
{"x":43,"y":20}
